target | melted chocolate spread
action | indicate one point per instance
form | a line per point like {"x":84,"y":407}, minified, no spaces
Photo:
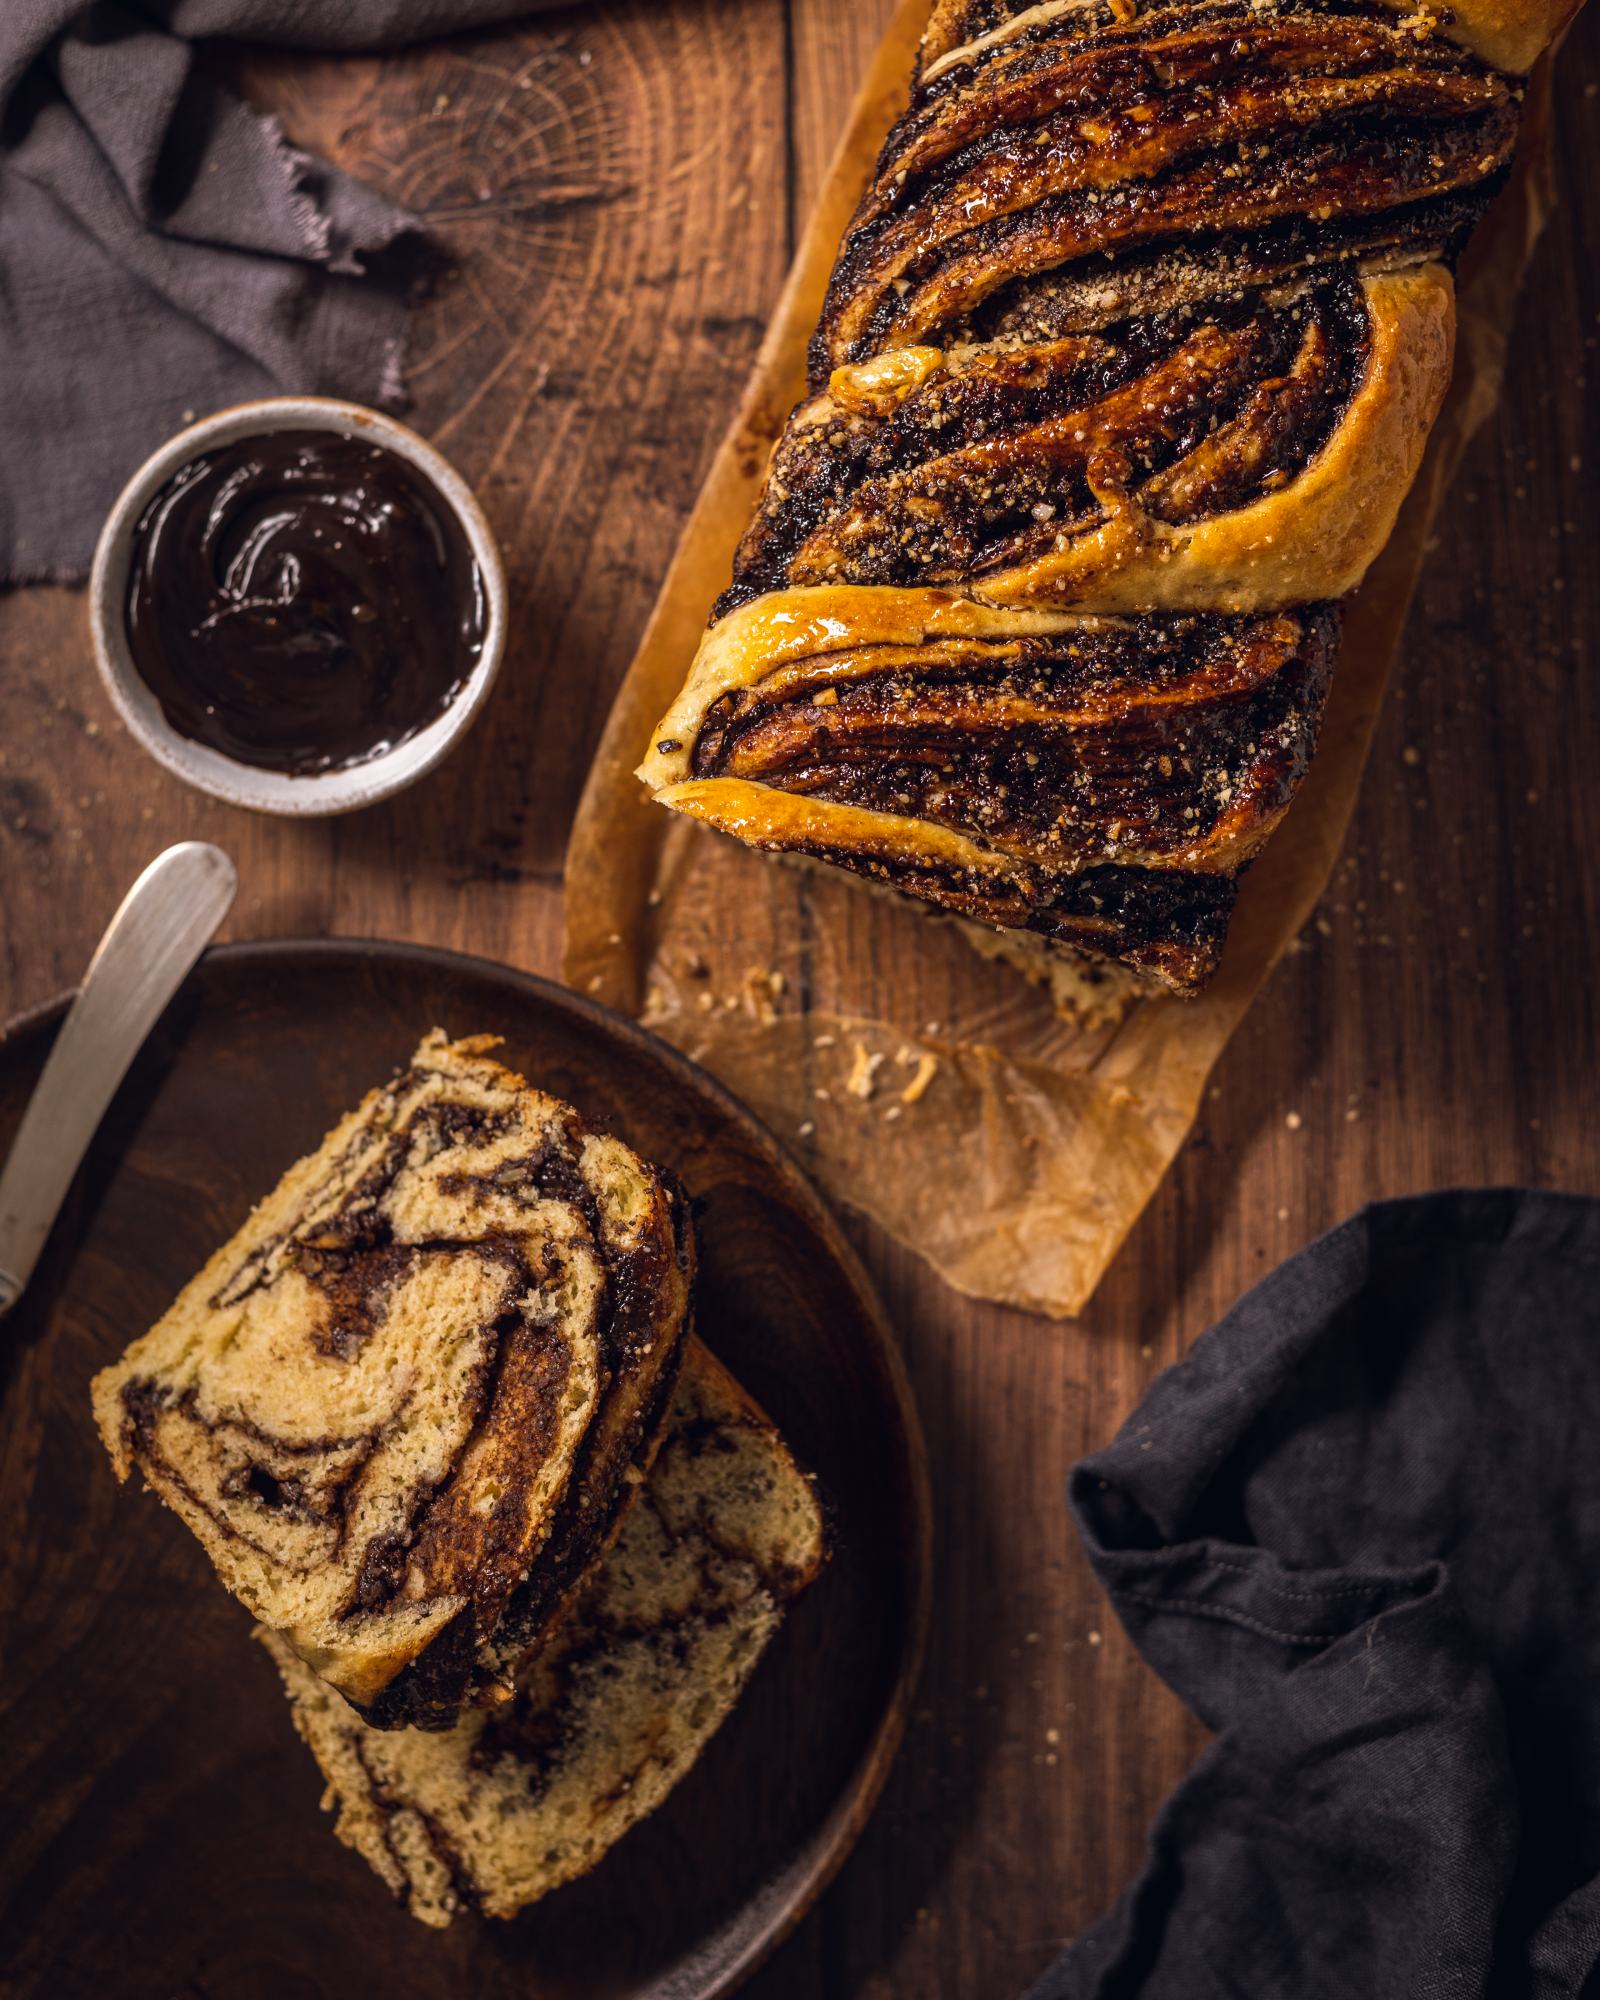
{"x":302,"y":601}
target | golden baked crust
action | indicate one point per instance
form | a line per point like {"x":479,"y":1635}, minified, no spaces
{"x":1506,"y":36}
{"x":1127,"y":363}
{"x":406,"y":1399}
{"x":619,"y":1701}
{"x":759,"y":640}
{"x":1311,"y":538}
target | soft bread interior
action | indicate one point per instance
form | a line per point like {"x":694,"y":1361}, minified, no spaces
{"x":619,"y":1701}
{"x":369,"y":1405}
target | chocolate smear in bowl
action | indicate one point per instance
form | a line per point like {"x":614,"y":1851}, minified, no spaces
{"x":302,"y":601}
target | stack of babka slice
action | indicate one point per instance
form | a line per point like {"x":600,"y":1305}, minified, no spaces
{"x":410,"y":1408}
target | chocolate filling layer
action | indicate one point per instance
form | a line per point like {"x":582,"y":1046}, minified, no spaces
{"x":999,"y":453}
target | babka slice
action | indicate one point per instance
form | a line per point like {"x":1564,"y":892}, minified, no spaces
{"x":620,"y":1700}
{"x":1127,"y":362}
{"x":411,"y":1394}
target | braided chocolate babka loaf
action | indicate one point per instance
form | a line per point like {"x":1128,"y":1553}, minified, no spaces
{"x":619,"y":1701}
{"x":403,"y":1408}
{"x":1128,"y":360}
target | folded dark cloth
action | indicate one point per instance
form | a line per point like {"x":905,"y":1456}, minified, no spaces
{"x":164,"y":251}
{"x":1358,"y":1530}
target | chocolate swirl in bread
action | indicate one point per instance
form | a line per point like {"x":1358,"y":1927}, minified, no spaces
{"x":402,"y":1408}
{"x":618,"y":1702}
{"x":1016,"y":765}
{"x":1127,"y":362}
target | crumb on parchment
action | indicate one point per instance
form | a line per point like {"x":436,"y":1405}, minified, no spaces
{"x":917,"y":1088}
{"x":863,"y":1078}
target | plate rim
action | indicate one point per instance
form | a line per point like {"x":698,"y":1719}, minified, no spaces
{"x":848,"y":1814}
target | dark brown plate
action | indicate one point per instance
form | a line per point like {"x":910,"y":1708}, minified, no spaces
{"x":161,"y":1835}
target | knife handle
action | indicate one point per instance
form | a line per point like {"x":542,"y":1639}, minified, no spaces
{"x":162,"y":926}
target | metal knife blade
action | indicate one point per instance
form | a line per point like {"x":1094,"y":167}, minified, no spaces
{"x":161,"y":928}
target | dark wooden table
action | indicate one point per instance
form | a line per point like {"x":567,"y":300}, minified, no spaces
{"x":621,"y":185}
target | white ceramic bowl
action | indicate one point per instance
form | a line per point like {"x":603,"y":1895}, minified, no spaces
{"x":209,"y":770}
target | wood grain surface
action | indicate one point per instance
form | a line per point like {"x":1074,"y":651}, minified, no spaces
{"x":620,"y":184}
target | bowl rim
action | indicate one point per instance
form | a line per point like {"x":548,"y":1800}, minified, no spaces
{"x":318,"y":794}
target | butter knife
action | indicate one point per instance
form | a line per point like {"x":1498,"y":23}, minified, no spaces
{"x":150,"y":945}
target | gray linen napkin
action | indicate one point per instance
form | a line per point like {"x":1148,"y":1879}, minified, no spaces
{"x":1357,"y":1528}
{"x":164,"y":250}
